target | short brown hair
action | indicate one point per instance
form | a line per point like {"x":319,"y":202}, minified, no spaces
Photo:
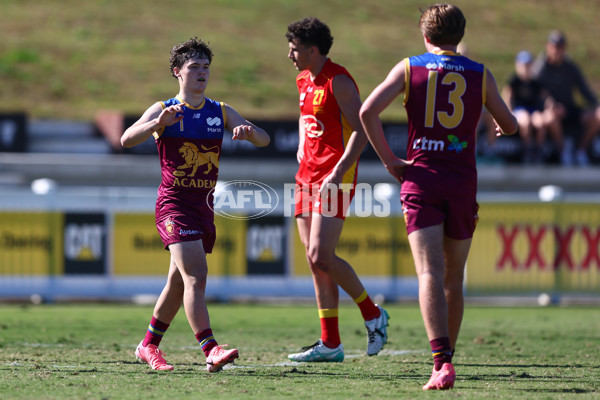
{"x":443,"y":24}
{"x":192,"y":48}
{"x":311,"y":32}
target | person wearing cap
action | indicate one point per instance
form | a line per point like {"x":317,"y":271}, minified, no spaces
{"x":525,"y":97}
{"x":561,"y":76}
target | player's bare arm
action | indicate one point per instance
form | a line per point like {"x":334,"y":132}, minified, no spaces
{"x":349,"y":102}
{"x":301,"y":137}
{"x":506,"y":122}
{"x":379,"y":100}
{"x":153,"y":120}
{"x":243,"y":129}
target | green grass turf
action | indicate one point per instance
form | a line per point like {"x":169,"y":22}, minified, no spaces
{"x":86,"y":352}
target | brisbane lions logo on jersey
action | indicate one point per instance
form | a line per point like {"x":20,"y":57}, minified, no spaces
{"x":195,"y":158}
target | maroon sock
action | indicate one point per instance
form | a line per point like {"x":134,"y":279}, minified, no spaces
{"x":207,"y":340}
{"x":442,"y":352}
{"x":155,"y":332}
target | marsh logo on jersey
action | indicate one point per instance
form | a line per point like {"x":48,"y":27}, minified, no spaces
{"x":446,"y":66}
{"x":215,"y":121}
{"x":213,"y":124}
{"x":194,"y":158}
{"x":312,"y":126}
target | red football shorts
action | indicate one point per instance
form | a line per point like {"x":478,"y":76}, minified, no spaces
{"x":334,"y":204}
{"x":458,"y":216}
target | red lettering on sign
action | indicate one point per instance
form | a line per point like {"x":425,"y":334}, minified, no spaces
{"x":507,"y":240}
{"x":534,"y":247}
{"x":592,"y":254}
{"x":563,"y":251}
{"x":509,"y":236}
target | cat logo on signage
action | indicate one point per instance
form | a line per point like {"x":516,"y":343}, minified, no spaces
{"x":84,"y":243}
{"x":266,"y":245}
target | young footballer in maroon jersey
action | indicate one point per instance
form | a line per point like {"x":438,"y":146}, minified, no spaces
{"x":331,"y":140}
{"x":188,"y":130}
{"x":443,"y":94}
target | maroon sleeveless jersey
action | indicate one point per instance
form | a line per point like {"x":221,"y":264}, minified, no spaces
{"x":444,"y":96}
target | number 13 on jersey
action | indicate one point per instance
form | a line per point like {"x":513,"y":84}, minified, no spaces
{"x":448,"y":120}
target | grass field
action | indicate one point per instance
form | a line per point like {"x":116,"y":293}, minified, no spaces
{"x":86,"y":352}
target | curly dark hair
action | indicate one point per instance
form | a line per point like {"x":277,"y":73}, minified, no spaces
{"x":311,"y":32}
{"x":192,"y":48}
{"x":443,"y":24}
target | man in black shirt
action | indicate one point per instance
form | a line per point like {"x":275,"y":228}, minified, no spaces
{"x":561,"y":76}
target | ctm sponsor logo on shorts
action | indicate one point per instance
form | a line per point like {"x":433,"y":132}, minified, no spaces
{"x":243,"y":199}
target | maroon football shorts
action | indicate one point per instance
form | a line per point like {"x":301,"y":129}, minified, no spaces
{"x":459,"y":216}
{"x":181,"y":228}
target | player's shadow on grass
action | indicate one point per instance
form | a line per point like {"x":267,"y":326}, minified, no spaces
{"x":297,"y":372}
{"x":528,"y":365}
{"x":573,"y":390}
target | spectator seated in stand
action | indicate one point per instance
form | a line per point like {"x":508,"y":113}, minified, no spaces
{"x":561,"y":76}
{"x":525,"y":97}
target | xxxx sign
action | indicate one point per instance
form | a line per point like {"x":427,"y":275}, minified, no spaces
{"x":520,"y":247}
{"x":566,"y":241}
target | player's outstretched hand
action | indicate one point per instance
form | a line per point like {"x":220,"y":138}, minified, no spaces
{"x":243,"y":132}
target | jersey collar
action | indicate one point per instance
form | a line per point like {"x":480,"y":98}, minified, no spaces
{"x":445,"y":53}
{"x":178,"y":97}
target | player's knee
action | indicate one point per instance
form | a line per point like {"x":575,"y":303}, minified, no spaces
{"x":454,"y":283}
{"x":319,"y":259}
{"x":197,"y":281}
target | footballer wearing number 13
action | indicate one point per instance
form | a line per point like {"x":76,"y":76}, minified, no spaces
{"x":443,"y":95}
